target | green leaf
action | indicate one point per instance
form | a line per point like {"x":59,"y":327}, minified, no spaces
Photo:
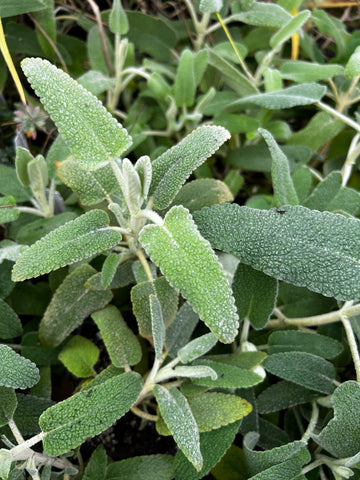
{"x":6,"y":460}
{"x":32,"y":349}
{"x":352,"y":68}
{"x":247,"y":285}
{"x":232,"y":466}
{"x":185,"y":86}
{"x":123,"y":277}
{"x":197,"y":347}
{"x":231,"y":75}
{"x":197,"y":371}
{"x":302,"y":72}
{"x":179,"y":332}
{"x":213,"y":445}
{"x":173,"y":167}
{"x":203,"y":192}
{"x":96,"y":52}
{"x":302,"y":180}
{"x":109,"y":268}
{"x":79,"y":356}
{"x":300,"y":246}
{"x":8,"y":404}
{"x":142,"y":468}
{"x":96,"y":467}
{"x":341,"y":436}
{"x":157,"y":326}
{"x":296,"y":341}
{"x":34,"y":231}
{"x":178,"y":417}
{"x":305,"y":369}
{"x":284,"y":191}
{"x":214,"y":410}
{"x":28,"y":412}
{"x":121,"y":343}
{"x":247,"y":360}
{"x":11,"y":8}
{"x":87,"y":413}
{"x":324,"y":192}
{"x":289,"y":29}
{"x":93,"y":135}
{"x":10,"y":185}
{"x":58,"y":322}
{"x":304,"y":94}
{"x":10,"y":324}
{"x":22,"y":159}
{"x":16,"y":371}
{"x":92,"y":186}
{"x":10,"y":251}
{"x":140,"y":297}
{"x":283,"y":395}
{"x":118,"y":21}
{"x":191,"y":266}
{"x":7,"y":211}
{"x":78,"y":239}
{"x":96,"y":82}
{"x":210,"y":6}
{"x":228,"y":376}
{"x":38,"y":175}
{"x":264,"y":14}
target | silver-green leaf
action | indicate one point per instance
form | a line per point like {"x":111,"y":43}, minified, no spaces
{"x":190,"y":265}
{"x":16,"y":371}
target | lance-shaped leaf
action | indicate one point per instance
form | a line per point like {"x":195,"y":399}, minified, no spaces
{"x":352,"y":68}
{"x":10,"y":324}
{"x":289,"y":29}
{"x":173,"y":167}
{"x":8,"y":212}
{"x":341,"y":436}
{"x":178,"y":417}
{"x":317,"y":250}
{"x":284,"y":190}
{"x":184,"y":86}
{"x":157,"y":326}
{"x":92,"y":134}
{"x":96,"y":466}
{"x":197,"y":347}
{"x":144,"y":467}
{"x":109,"y":268}
{"x":70,"y":305}
{"x":190,"y":265}
{"x":228,"y":376}
{"x":121,"y":343}
{"x":78,"y":239}
{"x":8,"y":404}
{"x":16,"y":371}
{"x":179,"y":332}
{"x":292,"y":340}
{"x":87,"y":413}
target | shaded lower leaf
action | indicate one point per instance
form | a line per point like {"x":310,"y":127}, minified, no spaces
{"x":8,"y":212}
{"x":232,"y":466}
{"x":87,"y":413}
{"x":292,"y":340}
{"x":16,"y":371}
{"x":79,"y":356}
{"x":32,"y":232}
{"x":8,"y":404}
{"x":178,"y":417}
{"x":96,"y":467}
{"x":179,"y":332}
{"x":10,"y":324}
{"x":143,"y":467}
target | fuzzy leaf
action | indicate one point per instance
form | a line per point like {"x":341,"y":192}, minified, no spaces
{"x":196,"y":371}
{"x":78,"y":239}
{"x":8,"y":404}
{"x":6,"y":459}
{"x":109,"y":268}
{"x":302,"y":72}
{"x":179,"y":332}
{"x":294,"y":341}
{"x":93,"y":135}
{"x":142,"y":468}
{"x":197,"y":347}
{"x":210,"y":6}
{"x":190,"y":265}
{"x":289,"y":29}
{"x":96,"y":467}
{"x":352,"y":68}
{"x":247,"y":285}
{"x":121,"y":343}
{"x":173,"y":167}
{"x":10,"y":185}
{"x":22,"y":159}
{"x":264,"y":14}
{"x":184,"y":86}
{"x":79,"y":356}
{"x":16,"y":371}
{"x":228,"y":376}
{"x":317,"y":250}
{"x":8,"y":212}
{"x":87,"y":413}
{"x":284,"y":190}
{"x":34,"y":231}
{"x":58,"y":322}
{"x":118,"y":21}
{"x":11,"y":8}
{"x":304,"y":369}
{"x":10,"y":324}
{"x":176,"y":412}
{"x":341,"y":436}
{"x":157,"y":326}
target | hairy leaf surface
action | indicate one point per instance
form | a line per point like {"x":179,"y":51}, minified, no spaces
{"x":16,"y":371}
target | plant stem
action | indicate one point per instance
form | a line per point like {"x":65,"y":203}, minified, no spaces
{"x":140,"y":254}
{"x":312,"y":424}
{"x":142,"y":414}
{"x":97,"y":14}
{"x":338,"y":115}
{"x":352,"y":343}
{"x":34,"y":211}
{"x":15,"y":431}
{"x":27,"y":444}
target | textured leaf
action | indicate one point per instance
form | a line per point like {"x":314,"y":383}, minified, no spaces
{"x":140,"y":297}
{"x":173,"y":167}
{"x":92,"y":186}
{"x":8,"y":404}
{"x":324,"y":192}
{"x":196,"y":371}
{"x":303,"y":72}
{"x":352,"y":68}
{"x":228,"y":376}
{"x":118,"y":21}
{"x":6,"y":460}
{"x":16,"y":371}
{"x":11,"y":251}
{"x":213,"y":445}
{"x":157,"y":326}
{"x":142,"y":468}
{"x":58,"y":322}
{"x":318,"y":250}
{"x":10,"y":185}
{"x":247,"y":360}
{"x":93,"y":135}
{"x":283,"y":395}
{"x":87,"y":413}
{"x":96,"y":52}
{"x":289,"y":29}
{"x":304,"y":94}
{"x":179,"y":332}
{"x":11,"y":8}
{"x":295,"y":341}
{"x":210,"y":6}
{"x":78,"y":239}
{"x":248,"y":285}
{"x":190,"y":265}
{"x":232,"y":466}
{"x":7,"y":211}
{"x":176,"y":412}
{"x":197,"y":347}
{"x":33,"y":231}
{"x":304,"y":369}
{"x":27,"y":414}
{"x":10,"y":324}
{"x":184,"y":86}
{"x":22,"y":159}
{"x":341,"y":436}
{"x":109,"y":268}
{"x":284,"y":191}
{"x":96,"y":467}
{"x":264,"y":14}
{"x":79,"y":356}
{"x":121,"y":343}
